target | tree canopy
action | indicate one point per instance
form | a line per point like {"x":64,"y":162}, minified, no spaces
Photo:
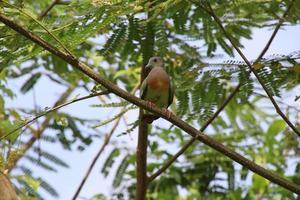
{"x":96,"y":47}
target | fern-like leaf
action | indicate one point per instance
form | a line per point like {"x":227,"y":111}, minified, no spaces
{"x":40,"y":163}
{"x":102,"y":123}
{"x":30,"y":82}
{"x":110,"y":161}
{"x":121,"y":172}
{"x":51,"y":158}
{"x":111,"y":105}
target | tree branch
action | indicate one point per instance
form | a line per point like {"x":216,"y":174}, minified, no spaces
{"x":220,"y":109}
{"x":43,"y":14}
{"x":279,"y":24}
{"x":278,"y":110}
{"x":41,"y":25}
{"x":141,"y":151}
{"x":7,"y":190}
{"x":105,"y":143}
{"x":59,"y":104}
{"x":35,"y":133}
{"x":191,"y":141}
{"x":143,"y":104}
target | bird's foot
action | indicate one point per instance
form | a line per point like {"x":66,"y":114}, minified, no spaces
{"x":168,"y":113}
{"x":151,"y":104}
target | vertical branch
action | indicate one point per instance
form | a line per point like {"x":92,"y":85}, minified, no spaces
{"x":141,"y":152}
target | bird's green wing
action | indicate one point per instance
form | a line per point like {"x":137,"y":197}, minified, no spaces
{"x":143,"y":89}
{"x":171,"y":93}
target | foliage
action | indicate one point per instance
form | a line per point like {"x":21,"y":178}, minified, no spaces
{"x":115,"y":37}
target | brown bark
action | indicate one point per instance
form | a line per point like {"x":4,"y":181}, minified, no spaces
{"x":141,"y":152}
{"x":7,"y":191}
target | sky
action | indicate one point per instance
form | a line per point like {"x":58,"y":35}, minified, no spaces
{"x":65,"y":180}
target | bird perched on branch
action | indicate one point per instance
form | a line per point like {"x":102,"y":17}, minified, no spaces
{"x":157,"y":88}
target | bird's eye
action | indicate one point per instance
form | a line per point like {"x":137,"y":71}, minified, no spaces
{"x":155,"y":60}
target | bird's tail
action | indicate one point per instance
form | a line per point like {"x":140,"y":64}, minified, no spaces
{"x":149,"y":118}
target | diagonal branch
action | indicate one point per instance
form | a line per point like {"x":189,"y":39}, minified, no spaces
{"x":43,"y":14}
{"x":40,"y":24}
{"x":143,"y":104}
{"x":105,"y":143}
{"x":35,"y":133}
{"x":279,"y":24}
{"x":278,"y":110}
{"x":221,"y":108}
{"x":41,"y":129}
{"x":57,"y":106}
{"x":191,"y":141}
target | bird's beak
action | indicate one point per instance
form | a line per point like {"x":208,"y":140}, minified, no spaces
{"x":148,"y":66}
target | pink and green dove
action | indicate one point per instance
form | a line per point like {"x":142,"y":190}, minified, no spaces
{"x":157,"y":88}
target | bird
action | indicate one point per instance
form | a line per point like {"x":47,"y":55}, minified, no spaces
{"x":157,"y":88}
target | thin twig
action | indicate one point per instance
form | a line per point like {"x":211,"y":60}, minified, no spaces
{"x":220,"y":109}
{"x":173,"y":159}
{"x":271,"y":176}
{"x":43,"y":14}
{"x":280,"y":22}
{"x":278,"y":110}
{"x":53,"y":109}
{"x":105,"y":143}
{"x":279,"y":101}
{"x":37,"y":133}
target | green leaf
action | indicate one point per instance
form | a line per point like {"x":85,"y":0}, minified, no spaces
{"x":110,"y":161}
{"x":121,"y":172}
{"x":259,"y":184}
{"x":1,"y":104}
{"x":6,"y":127}
{"x":113,"y":105}
{"x":276,"y":127}
{"x":56,"y":160}
{"x":30,"y":82}
{"x":104,"y":122}
{"x":34,"y":184}
{"x":61,"y":121}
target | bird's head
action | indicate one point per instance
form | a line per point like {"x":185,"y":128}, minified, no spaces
{"x":154,"y":62}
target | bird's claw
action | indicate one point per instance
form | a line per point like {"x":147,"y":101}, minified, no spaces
{"x":168,"y":113}
{"x":150,"y":104}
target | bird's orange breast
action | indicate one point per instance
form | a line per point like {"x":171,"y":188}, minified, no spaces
{"x":158,"y":79}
